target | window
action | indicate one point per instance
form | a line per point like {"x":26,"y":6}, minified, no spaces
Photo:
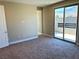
{"x":66,"y":23}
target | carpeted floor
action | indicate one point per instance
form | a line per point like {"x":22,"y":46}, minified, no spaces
{"x":41,"y":48}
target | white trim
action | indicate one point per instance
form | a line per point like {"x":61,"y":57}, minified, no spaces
{"x":39,"y":33}
{"x":4,"y":37}
{"x":4,"y":46}
{"x":23,"y":40}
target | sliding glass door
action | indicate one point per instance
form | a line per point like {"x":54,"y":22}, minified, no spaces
{"x":70,"y":23}
{"x":59,"y":23}
{"x":66,"y":23}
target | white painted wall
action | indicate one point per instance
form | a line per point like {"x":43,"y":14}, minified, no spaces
{"x":39,"y":21}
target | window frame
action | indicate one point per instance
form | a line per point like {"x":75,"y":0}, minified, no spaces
{"x":64,"y":21}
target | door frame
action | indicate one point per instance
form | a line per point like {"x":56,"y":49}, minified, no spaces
{"x":64,"y":22}
{"x":6,"y":33}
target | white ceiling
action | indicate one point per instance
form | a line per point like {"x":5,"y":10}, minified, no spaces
{"x":35,"y":2}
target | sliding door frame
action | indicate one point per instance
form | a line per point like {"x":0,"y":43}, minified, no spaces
{"x":64,"y":22}
{"x":77,"y":38}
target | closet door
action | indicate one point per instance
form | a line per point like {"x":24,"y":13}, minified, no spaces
{"x":3,"y":29}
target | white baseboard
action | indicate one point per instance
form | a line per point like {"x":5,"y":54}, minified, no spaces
{"x":23,"y":40}
{"x":4,"y":46}
{"x":47,"y":35}
{"x":39,"y":33}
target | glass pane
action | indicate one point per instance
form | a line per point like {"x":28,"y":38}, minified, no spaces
{"x":59,"y":23}
{"x":70,"y":23}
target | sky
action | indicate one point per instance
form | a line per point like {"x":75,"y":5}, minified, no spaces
{"x":69,"y":11}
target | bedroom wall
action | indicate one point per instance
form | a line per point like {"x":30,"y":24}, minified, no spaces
{"x":21,"y":21}
{"x":48,"y":16}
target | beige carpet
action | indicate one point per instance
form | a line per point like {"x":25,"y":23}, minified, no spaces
{"x":41,"y":48}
